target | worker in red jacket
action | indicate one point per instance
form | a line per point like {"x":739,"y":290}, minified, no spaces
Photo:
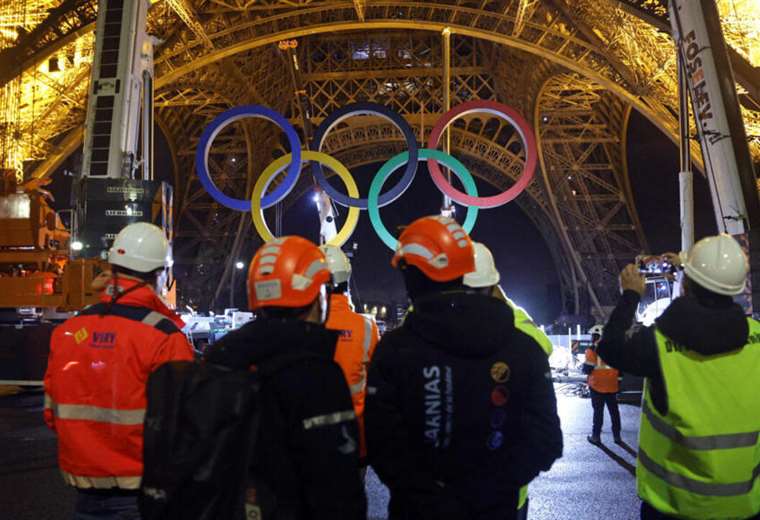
{"x":95,"y":381}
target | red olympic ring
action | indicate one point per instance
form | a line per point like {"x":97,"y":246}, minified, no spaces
{"x":523,"y":128}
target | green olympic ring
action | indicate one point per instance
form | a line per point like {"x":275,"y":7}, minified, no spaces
{"x":393,"y":164}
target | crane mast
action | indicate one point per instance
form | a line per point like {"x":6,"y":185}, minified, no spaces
{"x":703,"y":54}
{"x":117,"y":185}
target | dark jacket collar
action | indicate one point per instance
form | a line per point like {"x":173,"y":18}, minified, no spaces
{"x":461,"y":323}
{"x":264,"y":338}
{"x":707,"y":331}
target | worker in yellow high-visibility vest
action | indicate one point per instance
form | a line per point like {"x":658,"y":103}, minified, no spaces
{"x":699,"y":442}
{"x":486,"y":277}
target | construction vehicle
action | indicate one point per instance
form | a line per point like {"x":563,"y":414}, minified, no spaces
{"x":46,"y":270}
{"x":36,"y":270}
{"x":39,"y":282}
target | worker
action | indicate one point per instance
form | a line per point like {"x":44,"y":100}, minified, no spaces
{"x":306,"y":458}
{"x":461,"y":410}
{"x":699,"y":448}
{"x":485,"y":279}
{"x":95,"y":381}
{"x":603,"y":385}
{"x":357,"y":336}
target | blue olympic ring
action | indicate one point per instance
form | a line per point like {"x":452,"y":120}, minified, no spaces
{"x":217,"y":125}
{"x":365,"y":108}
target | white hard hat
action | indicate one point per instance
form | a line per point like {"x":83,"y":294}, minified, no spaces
{"x":718,"y":264}
{"x":337,"y":263}
{"x":485,"y":273}
{"x":596,"y":329}
{"x":141,"y":247}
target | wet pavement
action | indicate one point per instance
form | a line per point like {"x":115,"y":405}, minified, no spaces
{"x":588,"y":483}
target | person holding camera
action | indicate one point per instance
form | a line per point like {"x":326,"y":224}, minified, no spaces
{"x":699,"y":440}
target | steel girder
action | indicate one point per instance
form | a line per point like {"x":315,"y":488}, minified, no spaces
{"x":517,"y":44}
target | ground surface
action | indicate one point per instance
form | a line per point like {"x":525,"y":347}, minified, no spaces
{"x":588,"y":483}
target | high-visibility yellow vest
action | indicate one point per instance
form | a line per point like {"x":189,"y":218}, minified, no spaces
{"x":523,"y":497}
{"x":524,"y":323}
{"x":702,"y":459}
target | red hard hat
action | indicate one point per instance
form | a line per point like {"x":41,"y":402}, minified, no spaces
{"x":286,"y":272}
{"x":437,"y":246}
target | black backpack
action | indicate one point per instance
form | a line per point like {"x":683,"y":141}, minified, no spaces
{"x":201,"y":425}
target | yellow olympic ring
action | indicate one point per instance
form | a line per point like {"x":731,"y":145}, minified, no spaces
{"x":276,"y":167}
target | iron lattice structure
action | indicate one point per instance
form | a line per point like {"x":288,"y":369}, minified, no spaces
{"x":576,"y":69}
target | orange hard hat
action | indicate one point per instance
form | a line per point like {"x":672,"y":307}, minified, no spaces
{"x":286,"y":272}
{"x":437,"y":246}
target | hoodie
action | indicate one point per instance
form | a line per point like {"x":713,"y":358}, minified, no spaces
{"x":706,"y":330}
{"x":460,"y":410}
{"x":306,"y":458}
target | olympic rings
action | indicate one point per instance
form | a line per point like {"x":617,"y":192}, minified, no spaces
{"x":522,"y":127}
{"x":271,"y":171}
{"x":459,"y":169}
{"x":365,"y":108}
{"x":374,"y":201}
{"x":219,"y":124}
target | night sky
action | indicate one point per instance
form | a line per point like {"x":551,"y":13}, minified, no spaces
{"x":528,"y":273}
{"x":653,"y":165}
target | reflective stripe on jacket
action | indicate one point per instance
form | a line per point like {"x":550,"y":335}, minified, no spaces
{"x":603,"y":378}
{"x":702,"y":459}
{"x":95,"y":385}
{"x":356,"y":344}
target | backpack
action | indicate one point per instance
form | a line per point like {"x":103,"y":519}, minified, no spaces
{"x":200,"y":431}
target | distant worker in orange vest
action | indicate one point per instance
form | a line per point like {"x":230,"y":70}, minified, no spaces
{"x":604,"y":386}
{"x":95,"y":380}
{"x":358,"y":335}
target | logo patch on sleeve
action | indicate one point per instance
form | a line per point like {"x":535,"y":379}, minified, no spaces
{"x":81,"y":335}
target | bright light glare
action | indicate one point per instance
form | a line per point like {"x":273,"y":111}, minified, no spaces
{"x":561,"y":358}
{"x":315,"y":198}
{"x":76,"y":245}
{"x":239,"y":264}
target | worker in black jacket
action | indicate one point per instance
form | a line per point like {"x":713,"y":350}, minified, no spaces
{"x":702,"y":365}
{"x":306,"y":459}
{"x":460,"y":409}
